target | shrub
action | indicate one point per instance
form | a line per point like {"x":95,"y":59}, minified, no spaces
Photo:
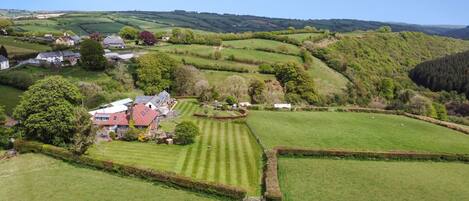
{"x":131,"y":135}
{"x":186,"y":132}
{"x":112,"y":135}
{"x":231,"y":100}
{"x":142,"y":138}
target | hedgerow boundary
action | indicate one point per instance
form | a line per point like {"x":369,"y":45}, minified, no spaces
{"x":446,"y":124}
{"x":168,"y":178}
{"x":272,"y":184}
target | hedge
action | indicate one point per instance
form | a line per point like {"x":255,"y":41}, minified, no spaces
{"x":449,"y":125}
{"x":272,"y":185}
{"x":126,"y":170}
{"x":289,"y":151}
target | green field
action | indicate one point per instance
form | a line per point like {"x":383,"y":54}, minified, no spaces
{"x":217,"y":64}
{"x":304,"y":36}
{"x":354,"y":131}
{"x":243,"y":54}
{"x":10,"y":97}
{"x":263,"y":44}
{"x":225,"y":153}
{"x":327,"y":80}
{"x":107,"y":27}
{"x":73,"y":73}
{"x":37,"y":177}
{"x":218,"y":77}
{"x":351,"y":180}
{"x":17,"y":47}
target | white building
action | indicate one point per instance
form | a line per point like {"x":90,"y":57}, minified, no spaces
{"x":282,"y":106}
{"x":4,"y":63}
{"x":113,"y":42}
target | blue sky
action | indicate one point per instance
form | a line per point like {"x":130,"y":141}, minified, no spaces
{"x":410,"y":11}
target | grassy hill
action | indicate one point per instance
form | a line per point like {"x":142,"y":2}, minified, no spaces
{"x":355,"y":180}
{"x":16,"y":47}
{"x":354,"y":131}
{"x":37,"y":177}
{"x":369,"y":58}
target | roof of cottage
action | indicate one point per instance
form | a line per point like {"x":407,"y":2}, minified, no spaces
{"x":156,"y":100}
{"x":113,"y":40}
{"x":2,"y":58}
{"x":142,"y":115}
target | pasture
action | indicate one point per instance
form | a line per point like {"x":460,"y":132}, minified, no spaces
{"x":352,"y":180}
{"x":261,"y":44}
{"x":38,"y":177}
{"x":245,"y":55}
{"x":326,"y":79}
{"x":354,"y":131}
{"x":304,"y":36}
{"x":203,"y":63}
{"x":225,"y":152}
{"x":219,"y":77}
{"x":18,"y":47}
{"x":10,"y":98}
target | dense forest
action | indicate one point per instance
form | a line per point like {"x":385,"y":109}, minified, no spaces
{"x":242,"y":23}
{"x":450,"y":73}
{"x":370,"y":58}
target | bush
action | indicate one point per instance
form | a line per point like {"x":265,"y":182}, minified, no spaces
{"x":131,"y":135}
{"x":186,"y":132}
{"x":112,"y":135}
{"x":231,"y":100}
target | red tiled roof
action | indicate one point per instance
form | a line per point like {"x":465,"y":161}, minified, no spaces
{"x":119,"y":119}
{"x":142,"y":115}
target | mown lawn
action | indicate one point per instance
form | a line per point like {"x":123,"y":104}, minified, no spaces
{"x":354,"y":131}
{"x":10,"y":97}
{"x":225,"y":153}
{"x":352,"y":180}
{"x":327,"y":80}
{"x":263,"y":44}
{"x":38,"y":177}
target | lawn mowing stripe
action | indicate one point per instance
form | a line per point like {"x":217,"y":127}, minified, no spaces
{"x":227,"y":145}
{"x":233,"y":156}
{"x":231,"y":169}
{"x":220,"y":154}
{"x":193,"y":109}
{"x":197,"y":172}
{"x":249,"y":157}
{"x":181,"y":159}
{"x":212,"y":168}
{"x":205,"y":151}
{"x":198,"y":150}
{"x":241,"y":163}
{"x":183,"y":108}
{"x":186,"y":160}
{"x":191,"y":157}
{"x":208,"y":154}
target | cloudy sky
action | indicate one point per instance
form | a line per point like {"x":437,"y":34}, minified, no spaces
{"x":437,"y":12}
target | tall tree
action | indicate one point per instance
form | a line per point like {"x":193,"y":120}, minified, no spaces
{"x":84,"y":133}
{"x":46,"y":111}
{"x":257,"y":91}
{"x":147,"y":37}
{"x":185,"y":79}
{"x":128,"y":33}
{"x":92,"y":55}
{"x":3,"y":51}
{"x":154,"y":72}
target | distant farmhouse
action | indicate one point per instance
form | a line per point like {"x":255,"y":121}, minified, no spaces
{"x":143,"y":113}
{"x":59,"y":57}
{"x":68,"y":40}
{"x":113,"y":42}
{"x":4,"y":64}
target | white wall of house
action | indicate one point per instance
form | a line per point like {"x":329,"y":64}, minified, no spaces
{"x":4,"y":65}
{"x":50,"y":59}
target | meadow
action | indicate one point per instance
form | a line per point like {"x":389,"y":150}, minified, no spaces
{"x":326,"y":79}
{"x":225,"y":152}
{"x":222,"y":65}
{"x":219,"y":77}
{"x":37,"y":177}
{"x":261,"y":44}
{"x":354,"y":131}
{"x":10,"y":98}
{"x":17,"y":47}
{"x":304,"y":36}
{"x":354,"y":180}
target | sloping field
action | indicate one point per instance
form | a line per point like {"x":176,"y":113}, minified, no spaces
{"x":10,"y":98}
{"x":218,"y":77}
{"x":351,"y":180}
{"x":262,"y":44}
{"x":242,"y":54}
{"x":225,"y":153}
{"x":215,"y":64}
{"x":36,"y":177}
{"x":17,"y":47}
{"x":327,"y":80}
{"x":354,"y":131}
{"x":304,"y":36}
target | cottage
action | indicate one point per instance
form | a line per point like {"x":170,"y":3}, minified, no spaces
{"x":65,"y":40}
{"x":4,"y":63}
{"x":161,"y":102}
{"x":59,"y":57}
{"x":119,"y":56}
{"x":113,"y":42}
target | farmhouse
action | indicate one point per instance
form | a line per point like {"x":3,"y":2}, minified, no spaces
{"x":65,"y":40}
{"x":161,"y":102}
{"x":113,"y":42}
{"x":4,"y":63}
{"x":59,"y":57}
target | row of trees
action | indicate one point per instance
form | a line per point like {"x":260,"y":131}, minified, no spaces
{"x":131,"y":33}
